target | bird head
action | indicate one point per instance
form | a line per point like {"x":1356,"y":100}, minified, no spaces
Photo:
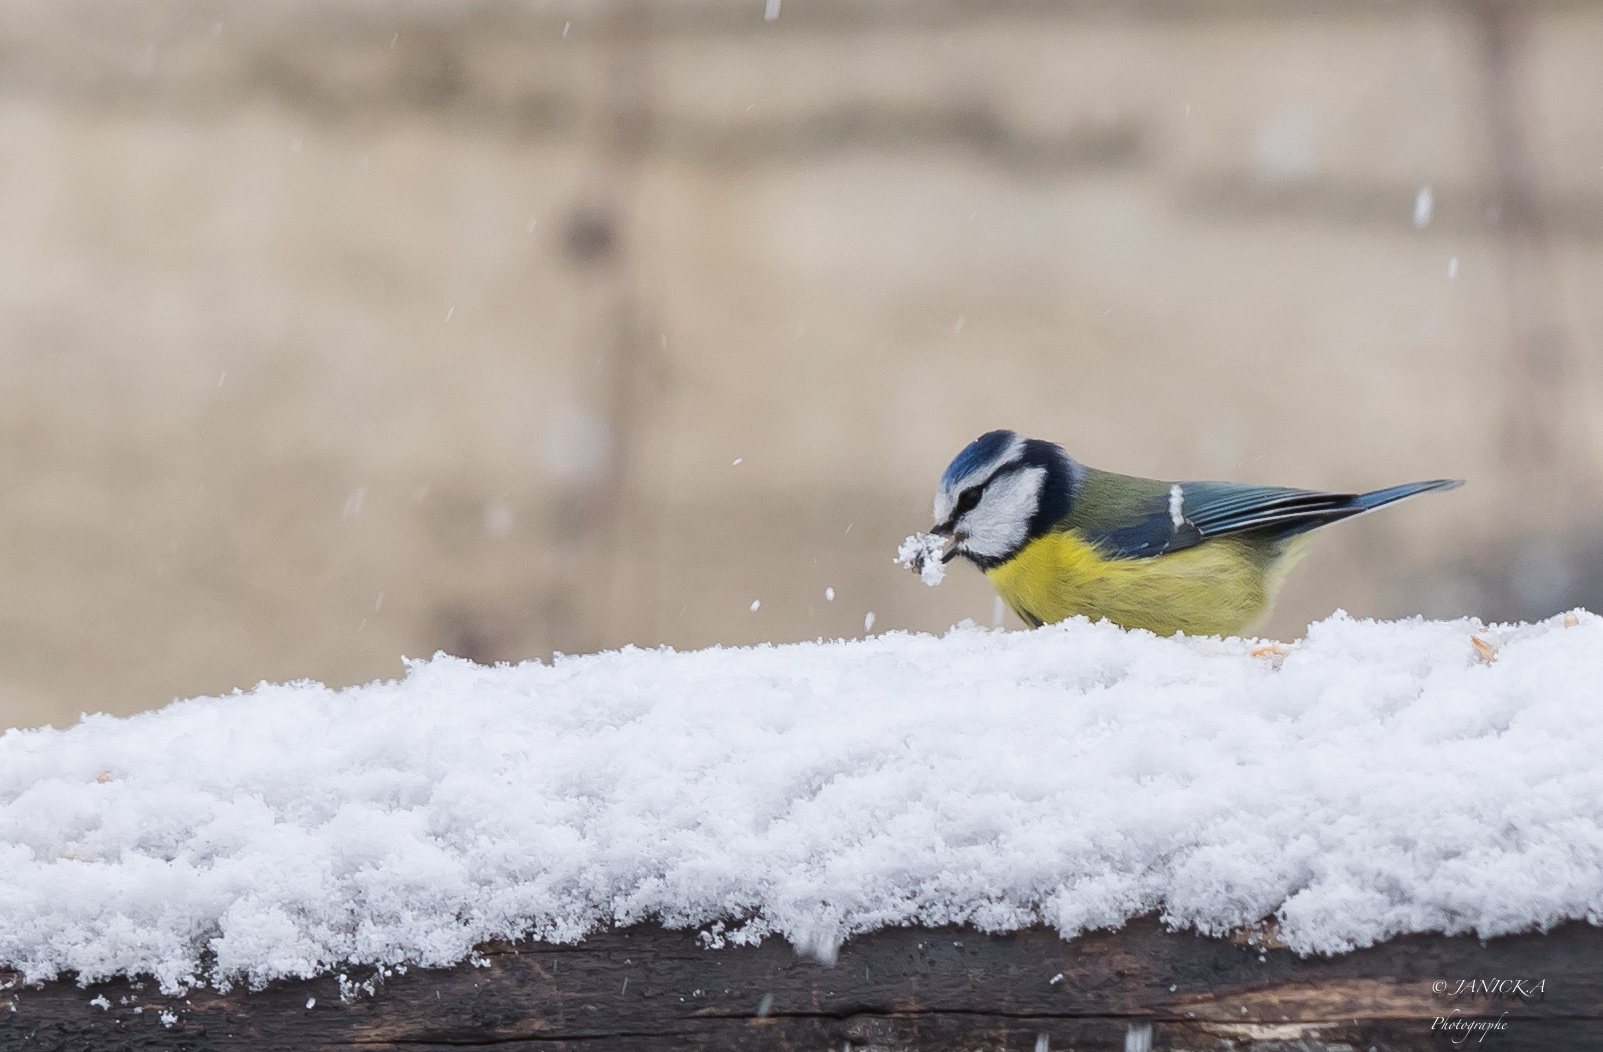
{"x":999,"y":493}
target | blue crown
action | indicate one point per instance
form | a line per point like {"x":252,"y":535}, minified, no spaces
{"x":977,"y":454}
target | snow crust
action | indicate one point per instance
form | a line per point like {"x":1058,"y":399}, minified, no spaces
{"x":1378,"y":778}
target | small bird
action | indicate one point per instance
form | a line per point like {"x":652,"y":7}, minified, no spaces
{"x":1058,"y":538}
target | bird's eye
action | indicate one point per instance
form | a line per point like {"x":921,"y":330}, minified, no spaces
{"x":967,"y":500}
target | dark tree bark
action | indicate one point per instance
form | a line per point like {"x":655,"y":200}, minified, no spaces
{"x":925,"y":989}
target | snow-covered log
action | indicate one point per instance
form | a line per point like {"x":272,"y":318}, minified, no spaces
{"x":814,"y":804}
{"x":930,"y":990}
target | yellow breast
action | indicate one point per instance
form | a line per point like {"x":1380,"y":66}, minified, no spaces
{"x":1218,"y":587}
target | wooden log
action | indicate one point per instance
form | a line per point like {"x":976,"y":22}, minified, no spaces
{"x":932,"y":990}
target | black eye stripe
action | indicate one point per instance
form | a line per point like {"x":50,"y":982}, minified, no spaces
{"x":970,"y":497}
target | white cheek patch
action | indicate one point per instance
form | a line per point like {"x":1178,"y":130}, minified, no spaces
{"x":999,"y":525}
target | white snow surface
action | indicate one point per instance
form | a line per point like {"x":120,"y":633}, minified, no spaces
{"x":1379,"y":778}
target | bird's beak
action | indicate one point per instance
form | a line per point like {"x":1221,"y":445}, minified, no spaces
{"x":953,"y":540}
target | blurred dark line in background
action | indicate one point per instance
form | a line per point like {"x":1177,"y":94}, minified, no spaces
{"x":1535,"y":418}
{"x":338,"y":331}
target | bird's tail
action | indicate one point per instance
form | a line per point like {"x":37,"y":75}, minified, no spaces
{"x":1381,"y":497}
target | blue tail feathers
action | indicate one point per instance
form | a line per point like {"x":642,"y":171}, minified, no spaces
{"x":1381,"y":497}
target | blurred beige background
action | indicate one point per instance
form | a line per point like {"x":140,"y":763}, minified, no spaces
{"x":333,"y":332}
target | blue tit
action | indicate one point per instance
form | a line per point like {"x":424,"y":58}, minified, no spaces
{"x":1057,"y":538}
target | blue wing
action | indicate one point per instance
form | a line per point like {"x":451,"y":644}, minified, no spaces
{"x":1193,"y":512}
